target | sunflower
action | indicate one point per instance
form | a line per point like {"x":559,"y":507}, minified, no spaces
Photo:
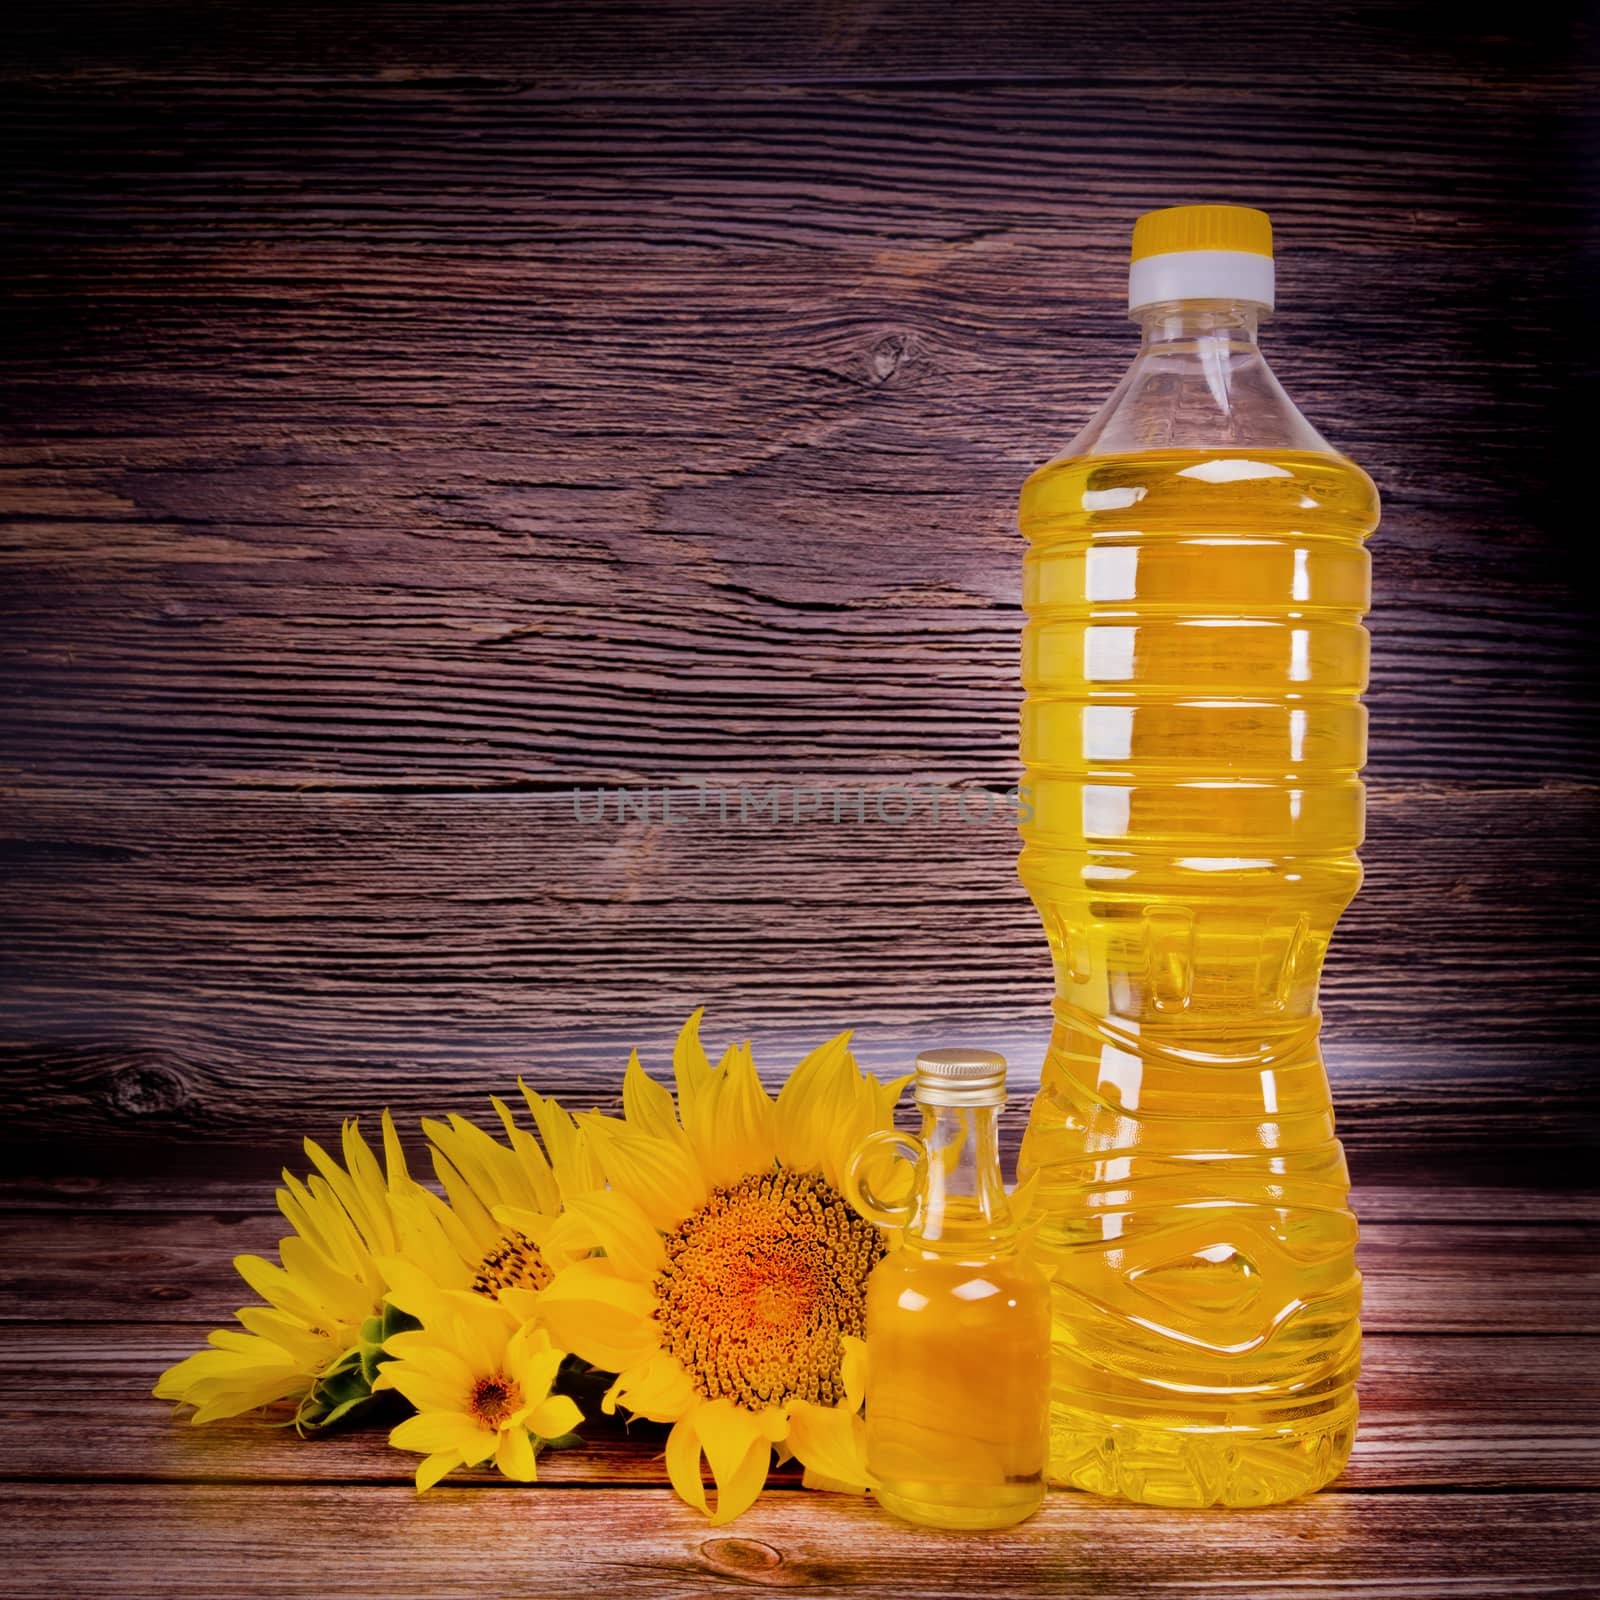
{"x":324,"y":1310}
{"x":479,"y":1374}
{"x":359,"y":1229}
{"x":731,"y":1294}
{"x":499,"y":1224}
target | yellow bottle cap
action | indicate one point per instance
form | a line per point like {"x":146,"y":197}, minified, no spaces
{"x":1201,"y":253}
{"x":1160,"y":233}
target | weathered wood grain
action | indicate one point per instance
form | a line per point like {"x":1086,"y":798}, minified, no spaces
{"x":127,"y":1266}
{"x":275,"y":961}
{"x":1436,"y":1410}
{"x":811,"y":41}
{"x":332,"y":1540}
{"x":283,"y":589}
{"x":414,"y":415}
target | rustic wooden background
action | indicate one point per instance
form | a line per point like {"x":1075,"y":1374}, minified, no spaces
{"x":416,"y":411}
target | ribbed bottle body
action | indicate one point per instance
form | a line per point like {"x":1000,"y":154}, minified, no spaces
{"x":1193,"y":736}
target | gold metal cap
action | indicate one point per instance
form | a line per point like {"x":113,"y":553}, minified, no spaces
{"x":960,"y":1078}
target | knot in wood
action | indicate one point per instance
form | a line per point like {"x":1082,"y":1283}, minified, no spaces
{"x":146,"y":1089}
{"x":890,"y":353}
{"x":741,"y":1555}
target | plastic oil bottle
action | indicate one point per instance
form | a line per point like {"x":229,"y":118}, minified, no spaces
{"x":1193,"y":660}
{"x":958,"y":1320}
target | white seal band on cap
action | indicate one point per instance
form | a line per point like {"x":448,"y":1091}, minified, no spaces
{"x":1201,"y":275}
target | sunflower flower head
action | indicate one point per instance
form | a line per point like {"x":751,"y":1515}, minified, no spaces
{"x":316,"y":1339}
{"x":730,"y":1295}
{"x":498,"y":1225}
{"x":479,"y":1375}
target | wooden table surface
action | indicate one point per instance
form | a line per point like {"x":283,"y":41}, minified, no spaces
{"x":1475,"y":1473}
{"x":417,"y":411}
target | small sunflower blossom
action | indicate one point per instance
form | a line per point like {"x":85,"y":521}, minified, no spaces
{"x":730,"y":1296}
{"x":324,"y":1295}
{"x":468,"y":1273}
{"x":361,"y":1230}
{"x":499,"y":1223}
{"x":479,"y":1373}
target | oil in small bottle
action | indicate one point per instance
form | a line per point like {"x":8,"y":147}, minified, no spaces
{"x":958,"y":1319}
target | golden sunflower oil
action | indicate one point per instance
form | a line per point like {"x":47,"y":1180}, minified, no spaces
{"x":1193,"y":658}
{"x":958,"y":1321}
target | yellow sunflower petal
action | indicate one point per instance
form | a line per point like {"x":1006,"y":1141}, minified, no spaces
{"x":225,"y":1383}
{"x":427,"y":1391}
{"x":606,"y":1320}
{"x":557,"y":1415}
{"x":430,"y":1238}
{"x":458,"y":1186}
{"x":738,"y":1493}
{"x":849,"y":1122}
{"x":352,"y":1193}
{"x":585,"y":1172}
{"x":528,"y":1341}
{"x":853,"y":1369}
{"x":484,"y":1444}
{"x":422,"y":1351}
{"x":560,"y":1239}
{"x":221,"y":1409}
{"x":539,"y":1177}
{"x":623,"y":1231}
{"x":335,"y":1294}
{"x":659,"y":1176}
{"x":394,"y":1155}
{"x":743,"y":1124}
{"x":833,"y":1106}
{"x":413,"y":1290}
{"x":573,"y":1162}
{"x":773,"y":1424}
{"x":429,"y":1472}
{"x":533,"y":1361}
{"x":699,"y":1111}
{"x":885,"y":1096}
{"x":690,"y":1068}
{"x":514,"y":1455}
{"x":432,"y":1431}
{"x":646,"y":1104}
{"x":659,"y":1390}
{"x":739,"y":1453}
{"x":683,"y":1464}
{"x":726,"y":1432}
{"x":232,"y":1339}
{"x":274,"y":1285}
{"x":370,"y":1184}
{"x":800,"y":1111}
{"x":317,"y":1215}
{"x":831,"y":1442}
{"x":536,"y":1225}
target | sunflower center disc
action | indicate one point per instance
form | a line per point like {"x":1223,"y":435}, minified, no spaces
{"x":494,"y":1398}
{"x":760,"y":1283}
{"x":514,"y":1263}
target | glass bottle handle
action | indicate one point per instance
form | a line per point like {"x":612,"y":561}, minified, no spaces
{"x":857,"y":1189}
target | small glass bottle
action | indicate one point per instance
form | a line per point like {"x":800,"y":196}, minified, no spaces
{"x":958,"y":1322}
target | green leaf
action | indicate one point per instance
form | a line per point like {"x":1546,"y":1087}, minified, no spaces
{"x":343,"y":1394}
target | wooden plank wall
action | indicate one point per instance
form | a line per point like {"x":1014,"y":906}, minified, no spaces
{"x":416,"y":412}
